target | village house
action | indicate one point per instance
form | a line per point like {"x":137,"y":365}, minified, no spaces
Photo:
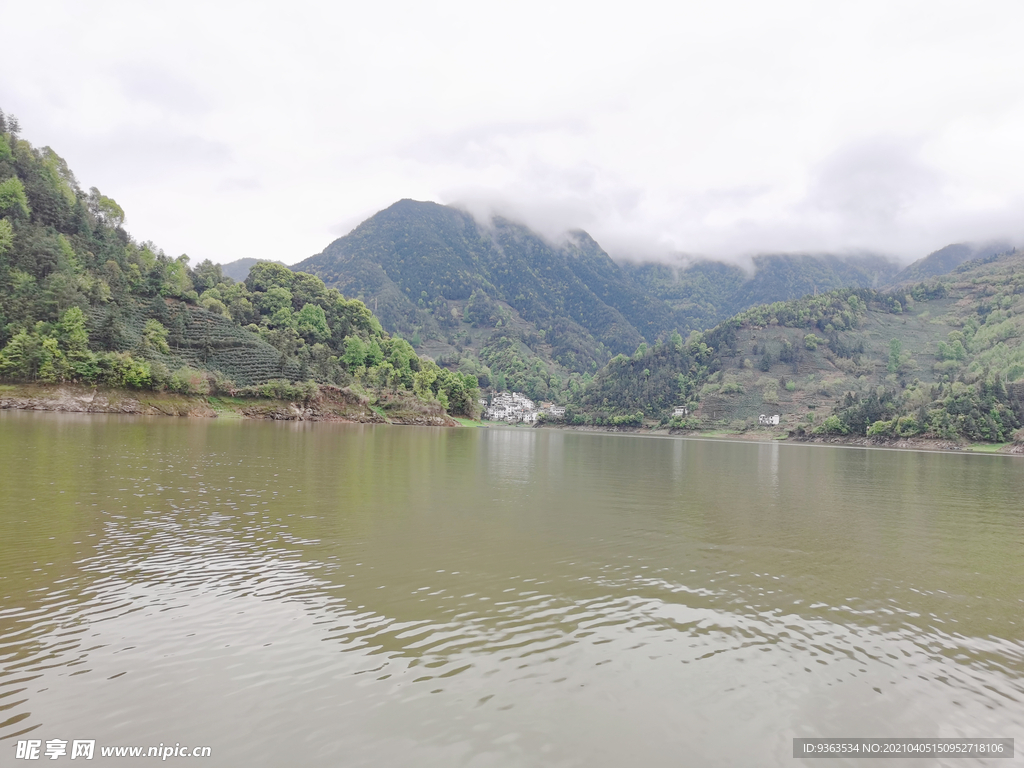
{"x":511,"y":407}
{"x":552,"y":411}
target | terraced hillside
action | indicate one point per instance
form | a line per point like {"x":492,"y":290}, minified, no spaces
{"x":197,"y":338}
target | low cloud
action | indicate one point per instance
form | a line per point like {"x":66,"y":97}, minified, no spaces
{"x":873,"y":196}
{"x":720,"y":129}
{"x":136,"y":153}
{"x":236,"y":184}
{"x":146,"y":84}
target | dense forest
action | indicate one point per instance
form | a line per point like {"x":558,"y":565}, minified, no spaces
{"x":82,"y":301}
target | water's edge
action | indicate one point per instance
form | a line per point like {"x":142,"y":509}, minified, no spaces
{"x":343,"y":406}
{"x":332,"y":404}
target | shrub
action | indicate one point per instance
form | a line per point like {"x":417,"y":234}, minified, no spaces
{"x":189,"y":381}
{"x":282,"y":389}
{"x":119,"y":369}
{"x":811,"y":341}
{"x":831,"y":426}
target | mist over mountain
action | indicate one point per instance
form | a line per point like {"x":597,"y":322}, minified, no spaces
{"x":425,"y":268}
{"x":945,"y":260}
{"x":501,"y":306}
{"x":459,"y":286}
{"x":703,"y":293}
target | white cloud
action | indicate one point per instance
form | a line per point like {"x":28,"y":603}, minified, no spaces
{"x":238,"y":129}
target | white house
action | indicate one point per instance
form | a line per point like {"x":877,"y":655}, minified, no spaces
{"x":511,"y":407}
{"x":768,"y":421}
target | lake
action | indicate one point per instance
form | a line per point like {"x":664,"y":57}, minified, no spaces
{"x":328,"y":595}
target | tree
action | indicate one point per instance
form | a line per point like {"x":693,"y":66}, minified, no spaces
{"x":154,"y":336}
{"x":18,"y":358}
{"x":6,"y":236}
{"x":265,"y":275}
{"x":52,"y":364}
{"x":355,"y":353}
{"x":307,"y":289}
{"x":105,"y":209}
{"x":895,"y":355}
{"x":112,"y":331}
{"x":207,"y":275}
{"x":175,"y":280}
{"x":374,"y":354}
{"x":13,"y":202}
{"x":312,"y":322}
{"x":832,"y":426}
{"x":71,"y":332}
{"x":275,"y":299}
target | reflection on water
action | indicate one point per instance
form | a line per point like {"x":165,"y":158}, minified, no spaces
{"x":400,"y":596}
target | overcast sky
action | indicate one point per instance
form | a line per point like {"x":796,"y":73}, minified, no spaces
{"x":228,"y":130}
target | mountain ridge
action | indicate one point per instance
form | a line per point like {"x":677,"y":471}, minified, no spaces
{"x":457,"y":287}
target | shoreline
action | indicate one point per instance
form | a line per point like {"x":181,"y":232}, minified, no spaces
{"x":930,"y":445}
{"x":347,"y":407}
{"x":333,"y":405}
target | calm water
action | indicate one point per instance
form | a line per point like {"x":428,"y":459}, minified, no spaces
{"x":333,"y":595}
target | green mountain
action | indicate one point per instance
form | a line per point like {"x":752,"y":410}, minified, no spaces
{"x":943,"y":359}
{"x":416,"y":262}
{"x":503,"y":304}
{"x":498,"y":302}
{"x":81,"y":301}
{"x":945,"y":260}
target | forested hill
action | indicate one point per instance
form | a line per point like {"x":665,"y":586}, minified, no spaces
{"x":943,"y":359}
{"x":419,"y":264}
{"x":501,"y":303}
{"x":82,"y":301}
{"x":423,"y":267}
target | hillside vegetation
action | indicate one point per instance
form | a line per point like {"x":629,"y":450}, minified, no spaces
{"x":941,"y":359}
{"x":501,"y":303}
{"x":498,"y":302}
{"x":81,"y":301}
